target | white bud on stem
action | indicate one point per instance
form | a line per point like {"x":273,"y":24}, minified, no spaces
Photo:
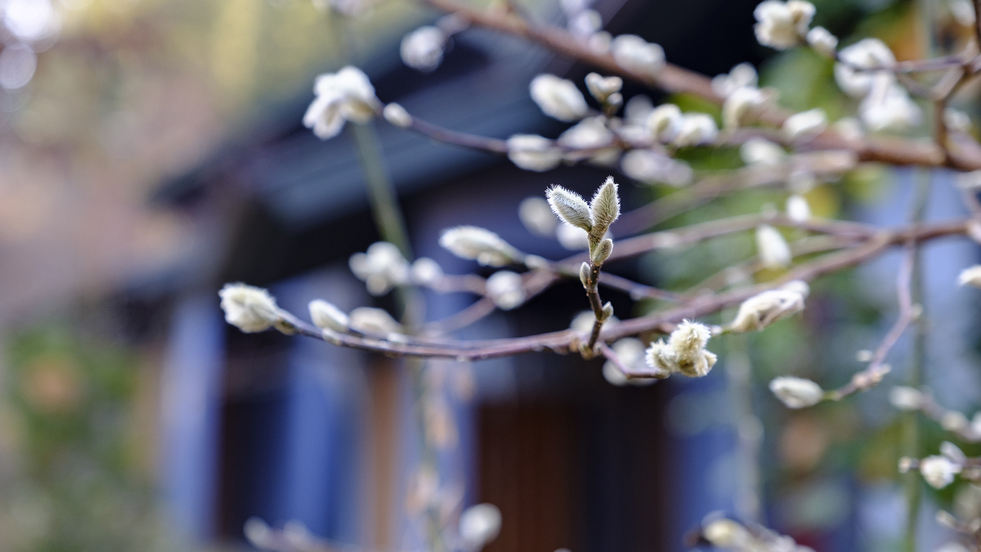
{"x":570,"y":207}
{"x":249,"y":308}
{"x":327,"y":316}
{"x":796,"y":392}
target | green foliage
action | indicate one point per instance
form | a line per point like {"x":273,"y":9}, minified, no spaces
{"x":69,"y":415}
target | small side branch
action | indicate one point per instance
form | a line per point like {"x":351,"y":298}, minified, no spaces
{"x":877,"y":368}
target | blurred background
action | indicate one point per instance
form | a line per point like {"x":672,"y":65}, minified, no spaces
{"x":152,"y":150}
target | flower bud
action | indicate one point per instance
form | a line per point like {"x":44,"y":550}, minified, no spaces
{"x":533,"y":153}
{"x":764,"y":309}
{"x":327,"y":316}
{"x":772,"y":248}
{"x":484,"y":246}
{"x":602,"y":251}
{"x":635,"y":53}
{"x":970,"y":277}
{"x":664,"y":122}
{"x":683,"y":352}
{"x":607,"y":310}
{"x":796,"y":392}
{"x":397,"y":115}
{"x":584,"y":273}
{"x":249,"y":308}
{"x":558,"y":98}
{"x":696,"y":129}
{"x":905,"y":398}
{"x":506,"y":289}
{"x":938,"y":471}
{"x":372,"y":320}
{"x":605,"y":207}
{"x":822,"y":41}
{"x":423,"y":48}
{"x":805,"y":125}
{"x":601,"y":88}
{"x":797,"y":208}
{"x":479,"y":525}
{"x":570,"y":207}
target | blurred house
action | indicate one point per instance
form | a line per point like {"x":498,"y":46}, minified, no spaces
{"x":293,"y":429}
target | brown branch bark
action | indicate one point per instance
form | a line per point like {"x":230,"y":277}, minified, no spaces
{"x":674,"y":79}
{"x":566,"y":340}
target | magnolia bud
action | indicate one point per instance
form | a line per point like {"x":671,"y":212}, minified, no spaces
{"x":584,"y":274}
{"x":796,"y":392}
{"x":397,"y":115}
{"x":327,"y":316}
{"x":602,"y":251}
{"x":605,"y":206}
{"x":570,"y":207}
{"x":602,"y":88}
{"x":607,"y":310}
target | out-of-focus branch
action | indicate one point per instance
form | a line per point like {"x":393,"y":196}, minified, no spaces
{"x":565,"y":341}
{"x":674,"y":79}
{"x":877,"y":368}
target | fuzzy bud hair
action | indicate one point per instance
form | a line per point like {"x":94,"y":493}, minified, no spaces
{"x":605,"y":206}
{"x":570,"y":207}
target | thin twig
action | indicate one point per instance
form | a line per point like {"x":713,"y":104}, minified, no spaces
{"x":674,"y":79}
{"x":562,"y":341}
{"x":876,"y":369}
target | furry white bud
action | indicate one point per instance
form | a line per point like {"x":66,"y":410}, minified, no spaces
{"x":764,"y":309}
{"x":796,"y":392}
{"x":372,"y":320}
{"x":479,"y":525}
{"x":683,"y":352}
{"x":649,"y":166}
{"x":249,"y":308}
{"x":696,"y":128}
{"x":664,"y":122}
{"x":741,"y":76}
{"x":381,"y":268}
{"x":604,"y":208}
{"x":397,"y":115}
{"x":822,"y":41}
{"x":953,"y":452}
{"x":327,"y":316}
{"x":482,"y":245}
{"x":938,"y":471}
{"x":865,"y":54}
{"x":533,"y":153}
{"x":423,"y":48}
{"x":888,"y":106}
{"x":584,"y":274}
{"x":905,"y":398}
{"x":782,"y":25}
{"x":798,"y":209}
{"x":772,"y":248}
{"x":743,"y":105}
{"x":607,"y":310}
{"x":970,"y":277}
{"x":601,"y":87}
{"x":558,"y":98}
{"x":805,"y":125}
{"x":506,"y":289}
{"x":759,"y":151}
{"x":726,"y":533}
{"x":537,"y":216}
{"x":570,"y":207}
{"x":343,"y":96}
{"x":635,"y":53}
{"x":426,"y":271}
{"x":602,"y":251}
